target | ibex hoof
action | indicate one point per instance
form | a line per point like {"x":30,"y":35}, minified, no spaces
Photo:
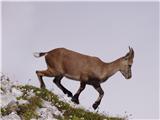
{"x":75,"y":100}
{"x":95,"y":105}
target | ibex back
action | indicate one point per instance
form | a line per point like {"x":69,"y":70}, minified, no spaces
{"x":90,"y":70}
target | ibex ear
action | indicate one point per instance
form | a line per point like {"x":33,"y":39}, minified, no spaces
{"x":130,"y":54}
{"x":126,"y":57}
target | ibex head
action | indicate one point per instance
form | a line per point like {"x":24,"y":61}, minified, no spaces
{"x":126,"y":64}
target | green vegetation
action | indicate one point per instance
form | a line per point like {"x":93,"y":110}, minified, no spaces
{"x":5,"y":111}
{"x":28,"y":111}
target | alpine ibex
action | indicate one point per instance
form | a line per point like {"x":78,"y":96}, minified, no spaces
{"x":90,"y":70}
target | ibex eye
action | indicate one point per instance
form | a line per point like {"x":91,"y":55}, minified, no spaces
{"x":130,"y":66}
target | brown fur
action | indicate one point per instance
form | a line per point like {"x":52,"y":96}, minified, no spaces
{"x":62,"y":62}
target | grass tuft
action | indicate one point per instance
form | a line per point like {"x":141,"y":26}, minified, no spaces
{"x":27,"y":111}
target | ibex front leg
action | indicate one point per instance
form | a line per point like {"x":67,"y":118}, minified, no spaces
{"x":76,"y":96}
{"x":57,"y":81}
{"x":101,"y":93}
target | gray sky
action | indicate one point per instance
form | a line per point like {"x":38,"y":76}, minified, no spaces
{"x":102,"y":29}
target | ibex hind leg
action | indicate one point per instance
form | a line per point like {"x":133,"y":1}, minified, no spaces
{"x":42,"y":73}
{"x":57,"y":81}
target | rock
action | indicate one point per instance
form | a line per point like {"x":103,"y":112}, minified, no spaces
{"x":16,"y":92}
{"x":48,"y":112}
{"x":21,"y":101}
{"x":6,"y":99}
{"x":12,"y":116}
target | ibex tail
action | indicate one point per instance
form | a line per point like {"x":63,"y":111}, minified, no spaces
{"x":37,"y":55}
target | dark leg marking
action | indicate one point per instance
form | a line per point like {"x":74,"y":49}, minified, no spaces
{"x":57,"y":81}
{"x":101,"y":93}
{"x":76,"y":96}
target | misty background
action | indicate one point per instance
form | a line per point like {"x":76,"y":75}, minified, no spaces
{"x":102,"y":29}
